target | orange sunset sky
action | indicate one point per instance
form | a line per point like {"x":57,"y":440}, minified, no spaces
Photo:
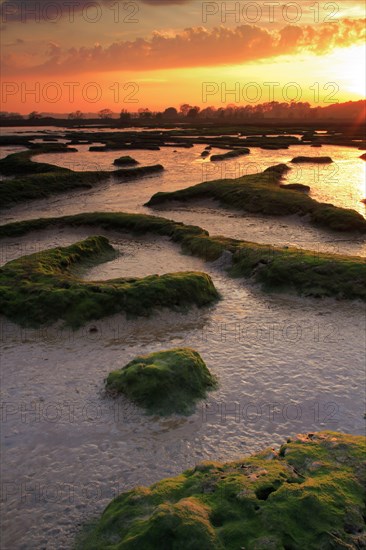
{"x":65,"y":55}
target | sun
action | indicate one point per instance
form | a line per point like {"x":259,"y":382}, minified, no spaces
{"x":350,"y":66}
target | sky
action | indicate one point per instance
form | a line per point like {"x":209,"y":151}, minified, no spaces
{"x":65,"y":55}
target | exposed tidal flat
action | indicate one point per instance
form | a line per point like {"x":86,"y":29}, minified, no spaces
{"x":284,"y":363}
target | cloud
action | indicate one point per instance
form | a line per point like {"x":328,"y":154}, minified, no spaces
{"x":53,"y":49}
{"x":194,"y":47}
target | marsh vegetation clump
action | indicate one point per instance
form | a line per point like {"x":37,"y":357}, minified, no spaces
{"x":43,"y":288}
{"x":165,"y":382}
{"x":313,"y":160}
{"x":265,"y":194}
{"x":125,"y":161}
{"x":307,"y":496}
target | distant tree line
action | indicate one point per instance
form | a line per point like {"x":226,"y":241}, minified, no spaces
{"x":230,"y":113}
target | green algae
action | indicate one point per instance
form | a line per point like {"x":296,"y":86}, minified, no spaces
{"x":42,"y":288}
{"x":164,"y":382}
{"x":309,"y":496}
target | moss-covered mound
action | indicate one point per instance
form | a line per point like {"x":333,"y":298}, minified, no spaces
{"x":231,"y":154}
{"x":165,"y":382}
{"x":305,"y":272}
{"x":125,"y":161}
{"x":262,"y":194}
{"x":307,"y":496}
{"x":41,"y":288}
{"x":316,"y":160}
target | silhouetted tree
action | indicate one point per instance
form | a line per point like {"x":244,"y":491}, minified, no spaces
{"x":124,"y":116}
{"x":105,"y":114}
{"x":185,"y":108}
{"x":170,"y":113}
{"x":34,"y":115}
{"x":208,"y":112}
{"x":10,"y":116}
{"x":77,"y":115}
{"x":145,"y":113}
{"x":193,"y":112}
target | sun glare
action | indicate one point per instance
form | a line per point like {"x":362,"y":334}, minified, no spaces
{"x":351,"y":68}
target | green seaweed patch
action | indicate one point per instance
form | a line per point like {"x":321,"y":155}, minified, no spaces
{"x":125,"y":161}
{"x":165,"y":382}
{"x":43,"y":288}
{"x":305,"y":497}
{"x":231,"y":154}
{"x":262,"y":194}
{"x":313,"y":160}
{"x":306,"y":272}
